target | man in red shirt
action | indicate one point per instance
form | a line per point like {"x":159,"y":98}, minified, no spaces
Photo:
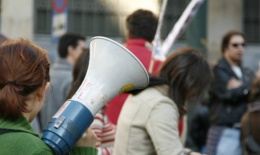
{"x":141,"y":28}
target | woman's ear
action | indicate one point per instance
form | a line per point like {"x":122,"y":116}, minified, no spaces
{"x":41,"y":92}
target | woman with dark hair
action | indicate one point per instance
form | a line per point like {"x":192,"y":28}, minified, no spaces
{"x":148,"y":122}
{"x":101,"y":125}
{"x":24,"y":79}
{"x":250,"y":122}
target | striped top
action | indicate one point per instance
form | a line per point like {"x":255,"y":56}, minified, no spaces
{"x":105,"y":132}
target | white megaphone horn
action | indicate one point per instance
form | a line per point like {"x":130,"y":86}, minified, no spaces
{"x":112,"y":70}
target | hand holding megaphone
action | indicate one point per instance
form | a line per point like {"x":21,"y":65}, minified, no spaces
{"x":88,"y":138}
{"x":112,"y":70}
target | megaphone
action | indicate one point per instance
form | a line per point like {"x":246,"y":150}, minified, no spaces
{"x":112,"y":70}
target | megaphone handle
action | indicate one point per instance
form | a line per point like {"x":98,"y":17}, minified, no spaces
{"x":61,"y":136}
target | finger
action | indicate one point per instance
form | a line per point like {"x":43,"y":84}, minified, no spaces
{"x":84,"y":135}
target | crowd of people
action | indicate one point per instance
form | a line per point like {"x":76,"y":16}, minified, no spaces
{"x":150,"y":121}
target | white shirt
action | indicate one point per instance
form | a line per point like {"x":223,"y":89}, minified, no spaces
{"x":238,"y":71}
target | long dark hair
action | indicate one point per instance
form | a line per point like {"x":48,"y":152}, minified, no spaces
{"x":188,"y":74}
{"x":250,"y":121}
{"x":79,"y":72}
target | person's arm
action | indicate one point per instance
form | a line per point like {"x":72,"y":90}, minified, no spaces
{"x":107,"y":137}
{"x":105,"y":150}
{"x":220,"y":87}
{"x":86,"y":144}
{"x":162,"y":127}
{"x":105,"y":132}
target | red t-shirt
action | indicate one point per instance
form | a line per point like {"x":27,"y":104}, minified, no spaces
{"x":142,"y":49}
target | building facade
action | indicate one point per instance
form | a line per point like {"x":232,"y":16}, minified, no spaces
{"x":32,"y":19}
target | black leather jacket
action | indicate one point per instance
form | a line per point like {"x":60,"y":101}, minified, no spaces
{"x":227,"y":106}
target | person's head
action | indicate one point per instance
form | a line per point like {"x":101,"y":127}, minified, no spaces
{"x":70,"y":46}
{"x":24,"y":78}
{"x":187,"y":73}
{"x":232,"y":47}
{"x":141,"y":24}
{"x":79,"y":72}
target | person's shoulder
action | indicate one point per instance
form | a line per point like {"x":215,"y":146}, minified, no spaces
{"x":30,"y":139}
{"x":220,"y":63}
{"x":61,"y":65}
{"x":25,"y":143}
{"x":247,"y":69}
{"x":155,"y":95}
{"x":248,"y":72}
{"x":35,"y":143}
{"x":152,"y":92}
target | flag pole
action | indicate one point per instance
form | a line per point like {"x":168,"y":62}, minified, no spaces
{"x":157,"y":38}
{"x":181,"y":24}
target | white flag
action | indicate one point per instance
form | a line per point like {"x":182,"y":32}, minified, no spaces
{"x":181,"y":24}
{"x":157,"y":54}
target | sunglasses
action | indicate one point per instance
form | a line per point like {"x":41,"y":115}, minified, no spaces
{"x":238,"y":44}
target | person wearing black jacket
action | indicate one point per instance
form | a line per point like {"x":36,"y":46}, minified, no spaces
{"x":228,"y":97}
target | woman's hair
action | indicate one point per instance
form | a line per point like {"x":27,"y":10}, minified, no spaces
{"x":24,"y":68}
{"x":254,"y":94}
{"x":250,"y":122}
{"x":79,"y":72}
{"x":188,"y":74}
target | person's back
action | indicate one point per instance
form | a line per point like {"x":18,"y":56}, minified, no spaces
{"x":69,"y":48}
{"x":141,"y":27}
{"x":22,"y":135}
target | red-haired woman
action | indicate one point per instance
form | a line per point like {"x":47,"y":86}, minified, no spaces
{"x":24,"y":78}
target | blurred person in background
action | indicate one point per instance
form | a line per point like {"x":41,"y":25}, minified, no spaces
{"x":250,"y":122}
{"x":228,"y":97}
{"x":148,"y":122}
{"x":23,"y":84}
{"x":101,"y":125}
{"x":199,"y":126}
{"x":141,"y":27}
{"x":70,"y":47}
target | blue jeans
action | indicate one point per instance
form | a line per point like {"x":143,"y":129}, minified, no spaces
{"x":229,"y":143}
